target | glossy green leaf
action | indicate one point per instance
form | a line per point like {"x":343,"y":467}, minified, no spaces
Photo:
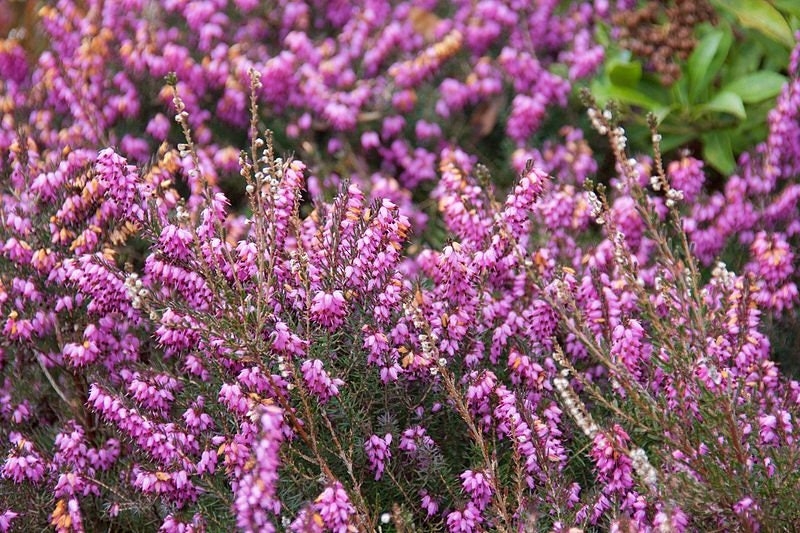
{"x":757,"y":86}
{"x":726,"y":102}
{"x":745,"y":58}
{"x":788,"y":6}
{"x":626,"y":95}
{"x":762,"y":16}
{"x":717,"y":151}
{"x":776,"y":55}
{"x":706,"y":61}
{"x":625,"y":74}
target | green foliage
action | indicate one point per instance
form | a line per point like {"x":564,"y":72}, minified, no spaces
{"x":719,"y":104}
{"x":762,"y":16}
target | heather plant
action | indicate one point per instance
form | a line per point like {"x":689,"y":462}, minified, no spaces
{"x":198,"y":337}
{"x":67,"y":321}
{"x":365,"y":90}
{"x":692,"y":353}
{"x":302,"y":377}
{"x":107,"y":88}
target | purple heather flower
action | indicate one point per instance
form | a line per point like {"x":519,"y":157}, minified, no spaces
{"x":378,"y":453}
{"x":255,"y":494}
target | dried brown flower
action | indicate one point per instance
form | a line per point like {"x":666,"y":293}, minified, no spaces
{"x":662,"y":33}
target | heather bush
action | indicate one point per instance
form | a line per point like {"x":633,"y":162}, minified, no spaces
{"x":333,"y":267}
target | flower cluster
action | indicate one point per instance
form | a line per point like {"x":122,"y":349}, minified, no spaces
{"x":197,"y":338}
{"x":351,"y":73}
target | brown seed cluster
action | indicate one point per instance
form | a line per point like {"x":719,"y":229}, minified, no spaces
{"x":662,"y":33}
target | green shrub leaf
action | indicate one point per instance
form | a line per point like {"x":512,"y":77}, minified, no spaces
{"x":757,"y":87}
{"x":789,"y":6}
{"x":625,"y":74}
{"x":706,"y":60}
{"x":726,"y":102}
{"x":626,"y":95}
{"x":762,"y":16}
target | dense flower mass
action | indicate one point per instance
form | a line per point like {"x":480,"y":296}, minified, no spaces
{"x":342,"y":266}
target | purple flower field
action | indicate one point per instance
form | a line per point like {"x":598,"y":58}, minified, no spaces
{"x":399,"y":266}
